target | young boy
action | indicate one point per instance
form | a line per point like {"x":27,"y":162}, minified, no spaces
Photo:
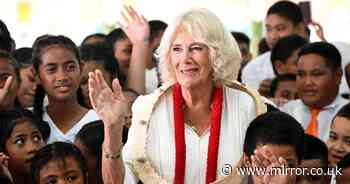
{"x":318,"y":79}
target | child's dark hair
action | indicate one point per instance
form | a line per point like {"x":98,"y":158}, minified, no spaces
{"x":241,"y":37}
{"x":97,"y":35}
{"x":57,"y":151}
{"x":326,"y":50}
{"x":156,"y":26}
{"x":100,"y":54}
{"x":114,"y":36}
{"x":343,"y":112}
{"x":345,"y":162}
{"x":92,"y":136}
{"x":12,"y":61}
{"x":284,"y":49}
{"x":288,"y":10}
{"x":263,"y":46}
{"x":276,"y":128}
{"x":316,"y":149}
{"x":9,"y":120}
{"x":23,"y":56}
{"x":39,"y":48}
{"x":277,"y":80}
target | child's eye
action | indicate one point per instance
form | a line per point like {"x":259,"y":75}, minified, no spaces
{"x":37,"y":138}
{"x":71,"y":178}
{"x":51,"y":181}
{"x":71,"y":67}
{"x":19,"y":141}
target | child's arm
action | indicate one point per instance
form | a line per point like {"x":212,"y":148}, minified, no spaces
{"x":138,"y":31}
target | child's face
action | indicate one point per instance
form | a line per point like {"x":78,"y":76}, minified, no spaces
{"x":338,"y":142}
{"x":26,"y":90}
{"x":122,"y":53}
{"x":286,"y":90}
{"x":308,"y":177}
{"x":91,"y":160}
{"x":91,"y":66}
{"x":65,"y":171}
{"x":25,"y":140}
{"x":316,"y":82}
{"x":59,"y":73}
{"x":6,"y":70}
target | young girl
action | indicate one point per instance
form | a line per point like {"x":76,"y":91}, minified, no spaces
{"x":89,"y":141}
{"x":59,"y":162}
{"x":21,"y":135}
{"x":9,"y":80}
{"x":56,"y":60}
{"x":338,"y":142}
{"x":26,"y":90}
{"x":97,"y":56}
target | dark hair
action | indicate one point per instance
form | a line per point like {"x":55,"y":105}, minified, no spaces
{"x":3,"y":29}
{"x":347,"y":75}
{"x":277,"y":80}
{"x":326,"y":50}
{"x":276,"y":128}
{"x":156,"y":26}
{"x":241,"y":37}
{"x":5,"y":43}
{"x":114,"y":36}
{"x":263,"y":46}
{"x":57,"y":151}
{"x":284,"y":49}
{"x":343,"y":112}
{"x":288,"y":10}
{"x":23,"y":56}
{"x":100,"y":54}
{"x":9,"y":120}
{"x":12,"y":61}
{"x":345,"y":162}
{"x":38,"y":50}
{"x":91,"y":135}
{"x":316,"y":149}
{"x":97,"y":35}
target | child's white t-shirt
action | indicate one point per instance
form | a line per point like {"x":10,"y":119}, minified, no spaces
{"x":69,"y":136}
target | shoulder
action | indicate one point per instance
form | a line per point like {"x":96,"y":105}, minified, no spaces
{"x":260,"y":60}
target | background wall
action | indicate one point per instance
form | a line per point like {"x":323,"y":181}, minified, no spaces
{"x":28,"y":19}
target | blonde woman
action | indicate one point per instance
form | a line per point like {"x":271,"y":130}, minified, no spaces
{"x":192,"y":126}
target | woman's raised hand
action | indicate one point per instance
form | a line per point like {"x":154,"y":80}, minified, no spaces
{"x":110,"y":104}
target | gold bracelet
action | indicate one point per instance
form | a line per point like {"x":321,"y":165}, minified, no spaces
{"x":113,"y":156}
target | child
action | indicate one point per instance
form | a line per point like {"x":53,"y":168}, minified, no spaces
{"x":89,"y":141}
{"x":282,"y":134}
{"x":59,"y":162}
{"x":9,"y":80}
{"x":338,"y":142}
{"x":284,"y":87}
{"x":56,"y":60}
{"x":97,"y":56}
{"x":21,"y":135}
{"x":26,"y":90}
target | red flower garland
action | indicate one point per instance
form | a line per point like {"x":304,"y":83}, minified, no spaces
{"x":180,"y":145}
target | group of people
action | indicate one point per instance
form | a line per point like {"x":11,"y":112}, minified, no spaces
{"x":179,"y":103}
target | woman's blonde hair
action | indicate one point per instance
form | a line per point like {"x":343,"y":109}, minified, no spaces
{"x":205,"y":27}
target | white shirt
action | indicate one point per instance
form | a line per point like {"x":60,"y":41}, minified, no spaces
{"x":257,"y":70}
{"x":69,"y":136}
{"x":301,"y":113}
{"x":238,"y":111}
{"x":151,"y":80}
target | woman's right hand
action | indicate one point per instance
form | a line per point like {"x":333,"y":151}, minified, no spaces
{"x":110,"y":104}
